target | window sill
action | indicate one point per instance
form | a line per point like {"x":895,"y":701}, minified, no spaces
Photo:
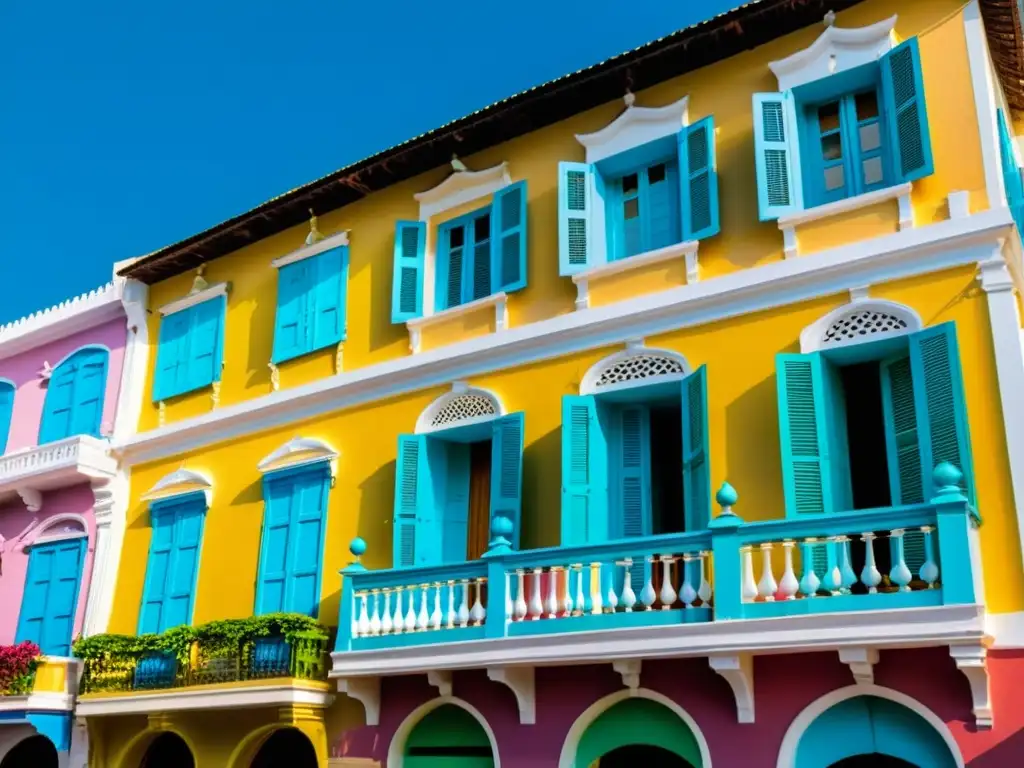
{"x":308,"y":251}
{"x":900,"y":193}
{"x":687,"y":248}
{"x":416,"y":326}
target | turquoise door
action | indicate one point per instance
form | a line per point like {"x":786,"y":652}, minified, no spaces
{"x":74,"y":396}
{"x":48,"y":605}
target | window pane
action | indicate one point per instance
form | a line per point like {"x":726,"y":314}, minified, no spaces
{"x":656,"y":173}
{"x":828,"y":116}
{"x":870,"y":137}
{"x":832,"y":146}
{"x":482,"y":228}
{"x":834,"y":177}
{"x":631,"y":208}
{"x":867,"y":105}
{"x":872,"y":171}
{"x":629,"y":183}
{"x":456,"y":236}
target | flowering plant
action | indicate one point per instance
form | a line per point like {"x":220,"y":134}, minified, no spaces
{"x":18,"y":667}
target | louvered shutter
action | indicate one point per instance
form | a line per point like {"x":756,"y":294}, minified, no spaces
{"x":206,"y":343}
{"x":278,"y":499}
{"x":407,"y":280}
{"x":581,"y":241}
{"x":634,"y":471}
{"x":906,"y":114}
{"x":777,"y":156}
{"x":584,"y":472}
{"x":696,"y":466}
{"x":329,"y":294}
{"x":186,"y":519}
{"x":507,"y":471}
{"x":415,"y":541}
{"x":508,"y":238}
{"x":455,"y":508}
{"x":698,"y":180}
{"x":158,"y":566}
{"x":306,"y":539}
{"x":902,"y":445}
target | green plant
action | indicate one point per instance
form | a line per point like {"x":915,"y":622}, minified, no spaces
{"x":18,"y":667}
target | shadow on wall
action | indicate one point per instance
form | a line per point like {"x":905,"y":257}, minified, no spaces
{"x":542,"y":498}
{"x":1009,"y":751}
{"x":376,"y":513}
{"x":752,"y":448}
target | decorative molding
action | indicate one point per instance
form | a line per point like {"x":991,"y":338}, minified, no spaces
{"x":930,"y":248}
{"x":367,"y":691}
{"x":462,"y":187}
{"x":970,"y":660}
{"x":41,"y":535}
{"x":687,"y":249}
{"x":984,"y":90}
{"x":858,"y":322}
{"x":994,"y":275}
{"x":629,"y":669}
{"x":738,"y":672}
{"x":860,"y":293}
{"x":396,"y":749}
{"x":836,"y":50}
{"x":299,"y":451}
{"x":110,"y":501}
{"x":861,"y":662}
{"x":634,"y":127}
{"x":339,"y":358}
{"x":497,"y":300}
{"x":520,"y":680}
{"x":275,"y":377}
{"x":179,"y":482}
{"x":442,"y":680}
{"x":336,"y":240}
{"x":38,"y":702}
{"x":31,"y":471}
{"x":635,"y":366}
{"x":157,"y":703}
{"x":462,"y":406}
{"x":31,"y":498}
{"x":213,"y":291}
{"x":1005,"y":629}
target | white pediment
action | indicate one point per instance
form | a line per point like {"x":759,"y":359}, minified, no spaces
{"x":634,"y":127}
{"x":299,"y":451}
{"x":836,"y":50}
{"x":180,"y":482}
{"x":462,"y":187}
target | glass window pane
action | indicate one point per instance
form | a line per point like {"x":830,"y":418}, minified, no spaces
{"x":828,"y":116}
{"x":629,"y":183}
{"x":656,"y":173}
{"x":867,"y":105}
{"x":834,"y":178}
{"x":456,"y":237}
{"x":631,"y":208}
{"x":872,"y":171}
{"x":482,"y":228}
{"x":870,"y":137}
{"x":832,"y":146}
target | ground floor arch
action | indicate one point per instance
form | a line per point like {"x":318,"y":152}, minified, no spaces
{"x":286,"y":746}
{"x":636,"y":755}
{"x":444,"y":733}
{"x":34,"y":751}
{"x":168,"y":750}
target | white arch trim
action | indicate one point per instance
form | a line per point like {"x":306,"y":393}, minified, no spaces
{"x":12,"y":736}
{"x":396,"y":758}
{"x":803,"y":721}
{"x":72,"y":353}
{"x":299,"y":451}
{"x":812,"y":338}
{"x":47,"y":533}
{"x":591,"y":384}
{"x":179,"y":482}
{"x":572,"y":740}
{"x":489,"y":402}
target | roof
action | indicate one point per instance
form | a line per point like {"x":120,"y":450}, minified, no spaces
{"x":715,"y":39}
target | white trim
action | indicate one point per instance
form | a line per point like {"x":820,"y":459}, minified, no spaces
{"x":812,"y":338}
{"x":522,"y":682}
{"x":13,"y":732}
{"x":459,"y":389}
{"x":738,"y":671}
{"x":896,"y":628}
{"x":178,"y":483}
{"x":193,"y":699}
{"x":297,"y":452}
{"x":836,"y":50}
{"x":984,"y":103}
{"x":635,"y":127}
{"x":215,"y":290}
{"x":1005,"y":629}
{"x":62,"y":463}
{"x":571,"y":745}
{"x":588,"y":386}
{"x":461,"y":187}
{"x":497,"y":300}
{"x":336,"y":240}
{"x":365,"y":690}
{"x":861,"y":662}
{"x":971,"y":660}
{"x":46,"y":701}
{"x":396,"y":750}
{"x":69,"y":355}
{"x":41,"y":537}
{"x":920,"y":250}
{"x":796,"y":730}
{"x":687,"y":249}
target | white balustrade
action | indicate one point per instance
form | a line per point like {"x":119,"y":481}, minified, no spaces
{"x":426,"y":607}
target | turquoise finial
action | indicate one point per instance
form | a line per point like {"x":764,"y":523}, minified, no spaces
{"x":947,"y":479}
{"x":357,"y":547}
{"x":726,"y":497}
{"x":501,"y":529}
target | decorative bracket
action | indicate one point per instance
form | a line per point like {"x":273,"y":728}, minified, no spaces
{"x":692,"y":267}
{"x":33,"y":499}
{"x":630,"y":671}
{"x":738,"y":672}
{"x":859,"y":292}
{"x":970,"y":659}
{"x":275,"y":377}
{"x":861,"y":662}
{"x":366,"y":690}
{"x":521,"y":682}
{"x":442,"y":680}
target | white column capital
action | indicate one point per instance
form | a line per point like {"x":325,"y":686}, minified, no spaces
{"x":994,"y":275}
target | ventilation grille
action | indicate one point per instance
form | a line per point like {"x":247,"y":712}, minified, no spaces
{"x":642,"y":366}
{"x":462,"y":408}
{"x":858,"y":325}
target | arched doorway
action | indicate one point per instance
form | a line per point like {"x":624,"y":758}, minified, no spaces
{"x":869,"y":731}
{"x":168,"y":750}
{"x":638,"y":732}
{"x":448,"y":737}
{"x":286,"y":747}
{"x":33,"y":752}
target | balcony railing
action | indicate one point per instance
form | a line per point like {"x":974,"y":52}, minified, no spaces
{"x":812,"y":564}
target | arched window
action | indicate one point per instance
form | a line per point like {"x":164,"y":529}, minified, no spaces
{"x":858,"y":322}
{"x":74,"y":398}
{"x":632,"y":368}
{"x":462,"y":406}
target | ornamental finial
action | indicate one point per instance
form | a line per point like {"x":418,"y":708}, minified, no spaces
{"x":830,"y":18}
{"x":629,"y":98}
{"x":199,"y":282}
{"x":457,"y":165}
{"x":314,"y":235}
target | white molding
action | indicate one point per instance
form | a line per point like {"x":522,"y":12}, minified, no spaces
{"x":812,"y":337}
{"x":984,"y":103}
{"x":336,"y":240}
{"x":895,"y":628}
{"x":365,"y":690}
{"x":396,"y":750}
{"x":788,"y":223}
{"x":970,"y":660}
{"x":459,"y":389}
{"x":497,"y":300}
{"x":461,"y":187}
{"x":635,"y":127}
{"x":521,"y":681}
{"x":178,"y":483}
{"x":810,"y":713}
{"x":588,"y":385}
{"x":110,"y":503}
{"x":202,"y":698}
{"x":297,"y":452}
{"x":1005,"y":629}
{"x":920,"y":250}
{"x":836,"y":50}
{"x":46,"y":701}
{"x":40,"y":535}
{"x":62,"y":463}
{"x":629,"y":670}
{"x":215,"y":290}
{"x":440,"y":679}
{"x":861,"y":662}
{"x":687,"y":249}
{"x":567,"y":757}
{"x":738,"y":671}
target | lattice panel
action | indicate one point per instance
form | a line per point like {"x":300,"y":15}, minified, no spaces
{"x":857,"y":325}
{"x":640,"y":366}
{"x":463,"y":407}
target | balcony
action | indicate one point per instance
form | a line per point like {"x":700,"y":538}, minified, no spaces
{"x":35,"y":683}
{"x":262,"y":661}
{"x":31,"y":471}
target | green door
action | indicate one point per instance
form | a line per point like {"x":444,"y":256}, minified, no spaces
{"x":448,"y":737}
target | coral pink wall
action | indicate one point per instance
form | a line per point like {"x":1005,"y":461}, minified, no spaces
{"x":784,"y":686}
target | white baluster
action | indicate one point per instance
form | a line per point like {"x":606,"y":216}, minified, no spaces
{"x":410,"y":615}
{"x":477,"y":612}
{"x":435,"y":615}
{"x":668,"y":591}
{"x":536,"y":604}
{"x":508,"y":597}
{"x":595,"y":589}
{"x":767,"y":587}
{"x":375,"y":613}
{"x":385,"y":620}
{"x":789,"y":584}
{"x":398,"y":621}
{"x":647,"y":595}
{"x":568,"y":605}
{"x":869,"y":575}
{"x":687,"y":593}
{"x":355,"y":614}
{"x":580,"y":600}
{"x":422,"y":618}
{"x":846,"y":565}
{"x":450,"y":615}
{"x":810,"y":582}
{"x":552,"y":602}
{"x":900,"y":573}
{"x":748,"y":587}
{"x":628,"y":596}
{"x":929,"y":568}
{"x":364,"y":618}
{"x":464,"y":603}
{"x":612,"y":600}
{"x":521,"y":606}
{"x":834,"y":577}
{"x":704,"y":590}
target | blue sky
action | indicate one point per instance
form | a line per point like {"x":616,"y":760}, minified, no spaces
{"x":128,"y":126}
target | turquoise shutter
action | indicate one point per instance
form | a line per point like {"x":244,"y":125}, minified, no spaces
{"x":584,"y":472}
{"x":906,"y":482}
{"x":306,"y":527}
{"x":206,"y":343}
{"x":776,"y":155}
{"x":407,"y":280}
{"x":6,"y":412}
{"x":291,"y":332}
{"x":803,"y":433}
{"x":508,"y":238}
{"x":329,"y":293}
{"x":454,"y":522}
{"x":415,"y":540}
{"x":698,"y":180}
{"x":50,"y":598}
{"x":906,"y":115}
{"x":185,"y":518}
{"x":576,"y":249}
{"x":59,"y":403}
{"x":1012,"y":182}
{"x":913,"y":551}
{"x":696,"y":467}
{"x":158,"y":566}
{"x":172,"y":354}
{"x":278,"y":500}
{"x":448,"y":270}
{"x":507,"y":471}
{"x":634,"y":471}
{"x":478,"y":275}
{"x":90,"y":388}
{"x":939,"y":402}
